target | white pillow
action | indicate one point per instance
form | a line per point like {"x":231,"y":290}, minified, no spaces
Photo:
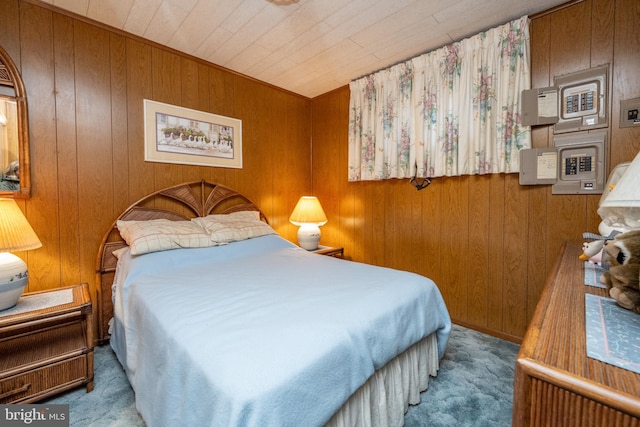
{"x":227,"y":228}
{"x":118,"y":253}
{"x":161,"y":235}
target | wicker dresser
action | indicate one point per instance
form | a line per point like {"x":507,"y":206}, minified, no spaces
{"x":48,"y":348}
{"x":556,"y":384}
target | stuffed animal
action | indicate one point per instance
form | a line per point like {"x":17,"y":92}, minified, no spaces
{"x":592,"y":251}
{"x":622,"y":279}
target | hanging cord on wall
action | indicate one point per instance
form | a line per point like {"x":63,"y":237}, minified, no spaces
{"x":419,"y":183}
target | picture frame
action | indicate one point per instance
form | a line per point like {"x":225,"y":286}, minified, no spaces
{"x":181,"y":135}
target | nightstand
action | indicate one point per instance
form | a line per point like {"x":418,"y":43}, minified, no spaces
{"x":329,"y":251}
{"x":46,"y":344}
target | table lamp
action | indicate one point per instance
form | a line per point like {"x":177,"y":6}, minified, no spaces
{"x":621,"y":208}
{"x":308,"y":214}
{"x":15,"y":235}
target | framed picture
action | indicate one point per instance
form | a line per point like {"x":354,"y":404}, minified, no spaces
{"x":181,"y":135}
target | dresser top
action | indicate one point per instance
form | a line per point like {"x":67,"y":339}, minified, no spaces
{"x":555,"y":345}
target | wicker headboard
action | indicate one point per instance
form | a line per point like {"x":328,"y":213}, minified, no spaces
{"x":177,"y":203}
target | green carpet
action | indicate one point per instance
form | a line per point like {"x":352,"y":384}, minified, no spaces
{"x":474,"y":387}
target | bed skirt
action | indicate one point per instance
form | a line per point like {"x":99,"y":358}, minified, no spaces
{"x":386,"y":396}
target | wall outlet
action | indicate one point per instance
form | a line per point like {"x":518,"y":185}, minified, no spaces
{"x":630,"y":113}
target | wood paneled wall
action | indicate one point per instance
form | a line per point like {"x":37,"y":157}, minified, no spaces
{"x":86,"y":84}
{"x":485,"y":240}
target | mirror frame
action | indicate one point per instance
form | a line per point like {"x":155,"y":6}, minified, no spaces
{"x":15,"y":81}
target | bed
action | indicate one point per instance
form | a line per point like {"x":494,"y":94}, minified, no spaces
{"x":241,"y":327}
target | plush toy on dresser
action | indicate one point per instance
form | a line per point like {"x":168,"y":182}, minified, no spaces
{"x":592,"y":251}
{"x":622,"y":279}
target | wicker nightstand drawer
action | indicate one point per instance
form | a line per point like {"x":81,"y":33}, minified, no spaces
{"x":38,"y":347}
{"x":48,"y":346}
{"x":38,"y":383}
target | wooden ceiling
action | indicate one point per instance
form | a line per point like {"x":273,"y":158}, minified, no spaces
{"x":309,"y":47}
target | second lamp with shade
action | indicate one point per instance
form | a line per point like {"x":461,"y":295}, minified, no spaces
{"x":308,"y":214}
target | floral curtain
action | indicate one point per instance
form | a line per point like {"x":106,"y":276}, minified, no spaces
{"x":453,"y":111}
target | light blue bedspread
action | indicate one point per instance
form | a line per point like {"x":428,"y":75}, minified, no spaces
{"x":260,"y":332}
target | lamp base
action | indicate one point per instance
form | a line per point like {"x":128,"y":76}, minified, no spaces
{"x":309,"y":236}
{"x":13,"y":279}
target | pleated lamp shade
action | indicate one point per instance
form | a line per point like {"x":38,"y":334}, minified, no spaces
{"x":15,"y":232}
{"x":308,"y":211}
{"x":15,"y":235}
{"x":621,"y":207}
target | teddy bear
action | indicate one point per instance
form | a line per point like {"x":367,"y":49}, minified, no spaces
{"x":622,"y":279}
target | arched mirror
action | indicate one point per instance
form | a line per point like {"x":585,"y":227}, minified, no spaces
{"x":15,"y":173}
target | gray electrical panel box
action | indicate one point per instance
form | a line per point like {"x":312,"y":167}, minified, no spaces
{"x":583,"y":100}
{"x":581,"y":163}
{"x":539,"y":106}
{"x":576,"y":102}
{"x":574,"y":166}
{"x":539,"y":166}
{"x":577,"y":106}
